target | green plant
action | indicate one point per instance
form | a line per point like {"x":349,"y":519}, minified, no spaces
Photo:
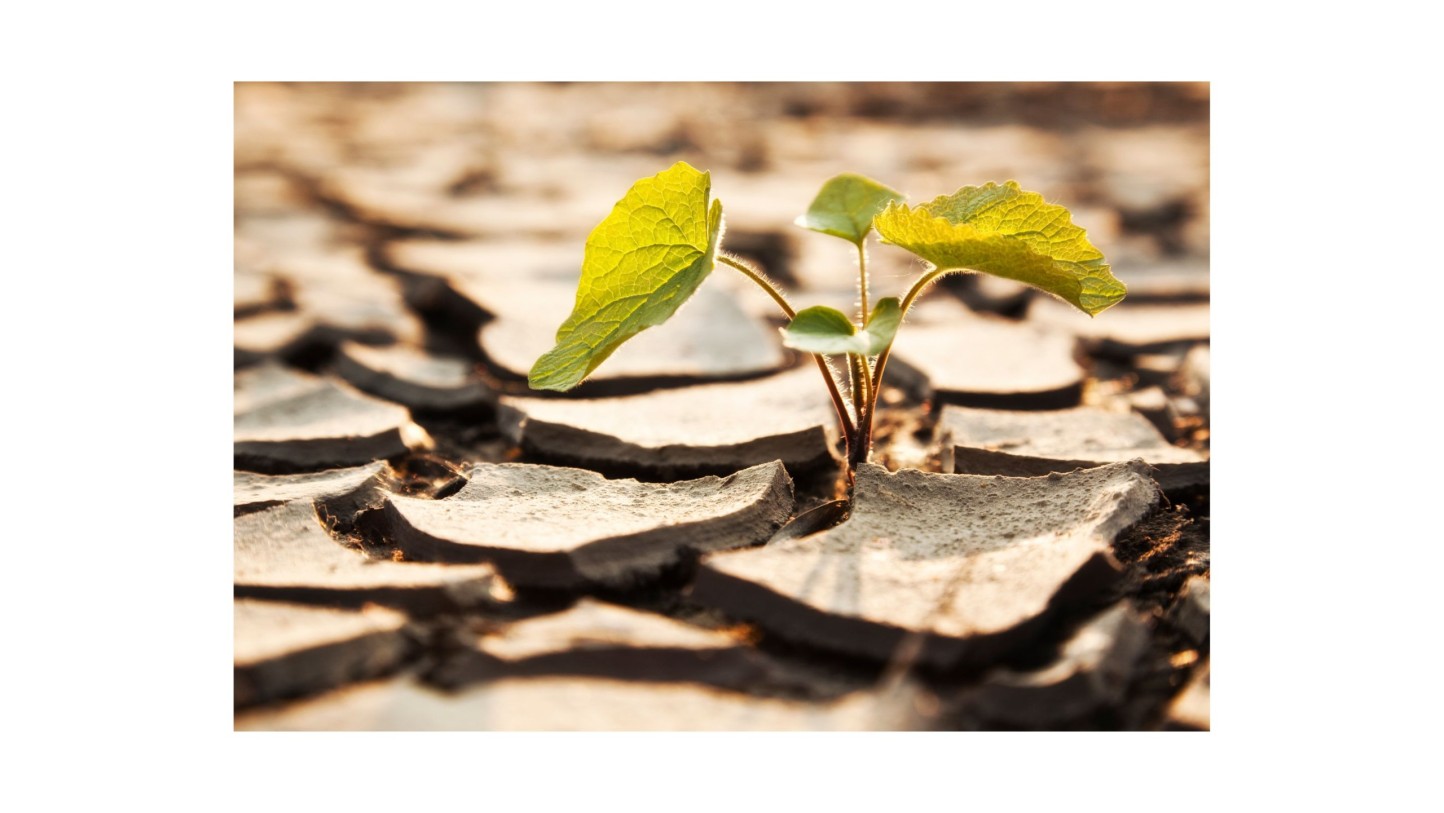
{"x":663,"y":238}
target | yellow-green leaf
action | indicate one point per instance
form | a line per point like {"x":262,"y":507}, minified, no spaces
{"x":1007,"y":232}
{"x":846,"y":205}
{"x":641,"y":263}
{"x":825,"y":330}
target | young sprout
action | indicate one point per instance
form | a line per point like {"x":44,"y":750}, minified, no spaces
{"x":664,"y":237}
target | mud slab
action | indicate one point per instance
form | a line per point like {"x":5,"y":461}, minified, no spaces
{"x":709,"y":429}
{"x":265,"y":383}
{"x":399,"y":204}
{"x":604,"y":640}
{"x":341,"y":291}
{"x":577,"y":704}
{"x":1170,"y":283}
{"x":289,"y":336}
{"x":471,"y":282}
{"x":1189,"y":711}
{"x":300,"y":423}
{"x":413,"y":378}
{"x":1127,"y":330}
{"x":1153,"y":403}
{"x":974,"y":566}
{"x":1190,"y":613}
{"x":987,"y":362}
{"x":258,"y":292}
{"x":988,"y":294}
{"x":1027,"y":444}
{"x":284,"y":554}
{"x":343,"y":490}
{"x":288,"y":650}
{"x":485,"y":263}
{"x":551,"y":527}
{"x":1092,"y":672}
{"x":1193,"y":377}
{"x":336,"y":298}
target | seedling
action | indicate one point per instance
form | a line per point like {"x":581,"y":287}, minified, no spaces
{"x":663,"y":238}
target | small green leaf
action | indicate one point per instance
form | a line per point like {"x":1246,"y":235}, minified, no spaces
{"x":641,"y":263}
{"x":820,"y":329}
{"x":825,"y":330}
{"x":882,"y":325}
{"x":1004,"y":231}
{"x":846,"y":205}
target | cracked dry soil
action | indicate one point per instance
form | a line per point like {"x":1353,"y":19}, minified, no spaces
{"x":422,"y":543}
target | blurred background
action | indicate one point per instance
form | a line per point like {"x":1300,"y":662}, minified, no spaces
{"x":548,"y":160}
{"x":451,"y":218}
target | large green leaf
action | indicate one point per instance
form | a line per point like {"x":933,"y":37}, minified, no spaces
{"x":846,"y":205}
{"x":1004,"y":231}
{"x":825,"y":330}
{"x":641,"y":263}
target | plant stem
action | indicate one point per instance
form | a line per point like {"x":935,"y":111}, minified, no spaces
{"x":862,"y":277}
{"x":758,"y":277}
{"x":856,"y":382}
{"x":843,"y":419}
{"x":864,"y":424}
{"x":862,"y":389}
{"x":862,"y":396}
{"x":918,"y":287}
{"x":863,"y":444}
{"x":907,"y":303}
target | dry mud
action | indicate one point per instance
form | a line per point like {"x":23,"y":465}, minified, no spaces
{"x":423,"y":543}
